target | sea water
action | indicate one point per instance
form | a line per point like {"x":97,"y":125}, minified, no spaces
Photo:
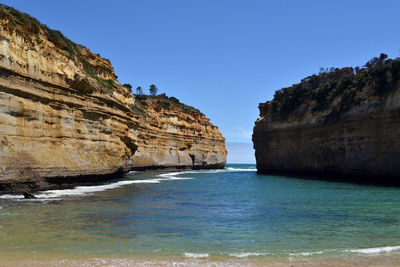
{"x":230,"y":214}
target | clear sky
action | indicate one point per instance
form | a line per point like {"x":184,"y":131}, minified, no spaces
{"x":240,"y":152}
{"x":224,"y":57}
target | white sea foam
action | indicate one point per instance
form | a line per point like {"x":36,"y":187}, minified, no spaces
{"x":241,"y":169}
{"x":177,"y":178}
{"x":247,"y":254}
{"x":196,"y":255}
{"x":208,"y":171}
{"x":173,"y":176}
{"x":376,"y":250}
{"x":11,"y":196}
{"x":228,"y":169}
{"x":308,"y":253}
{"x":84,"y":190}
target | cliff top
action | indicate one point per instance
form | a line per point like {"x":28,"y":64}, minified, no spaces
{"x":94,"y":68}
{"x":165,"y":102}
{"x":77,"y":66}
{"x":335,"y":91}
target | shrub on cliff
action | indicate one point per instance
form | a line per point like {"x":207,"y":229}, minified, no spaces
{"x":17,"y":17}
{"x":163,"y":101}
{"x":128,"y":85}
{"x":379,"y":76}
{"x":27,"y":26}
{"x":163,"y":104}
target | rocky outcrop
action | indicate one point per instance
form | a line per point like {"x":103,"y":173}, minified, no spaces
{"x":65,"y":117}
{"x":344,"y":124}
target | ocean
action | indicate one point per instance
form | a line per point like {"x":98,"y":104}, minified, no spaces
{"x":229,"y":217}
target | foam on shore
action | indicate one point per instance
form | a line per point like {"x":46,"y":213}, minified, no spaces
{"x":247,"y":254}
{"x":375,"y":250}
{"x":85,"y":190}
{"x":196,"y":255}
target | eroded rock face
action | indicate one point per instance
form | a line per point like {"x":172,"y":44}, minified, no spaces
{"x":64,"y":115}
{"x":172,"y":138}
{"x":363,"y":142}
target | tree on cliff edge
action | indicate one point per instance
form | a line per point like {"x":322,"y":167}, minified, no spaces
{"x":127,"y":85}
{"x":139,"y":90}
{"x":153,"y":89}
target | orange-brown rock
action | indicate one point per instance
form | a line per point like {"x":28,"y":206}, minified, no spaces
{"x":64,"y":115}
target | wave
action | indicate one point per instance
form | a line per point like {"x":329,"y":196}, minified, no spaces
{"x":310,"y":253}
{"x":196,"y":255}
{"x":86,"y":190}
{"x":170,"y":175}
{"x":247,"y":254}
{"x":241,"y":169}
{"x":6,"y":196}
{"x":228,"y":169}
{"x":375,"y":250}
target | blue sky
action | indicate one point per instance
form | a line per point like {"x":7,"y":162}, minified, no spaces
{"x":240,"y":152}
{"x":224,"y":57}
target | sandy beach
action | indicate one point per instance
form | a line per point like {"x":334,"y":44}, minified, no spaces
{"x":19,"y":259}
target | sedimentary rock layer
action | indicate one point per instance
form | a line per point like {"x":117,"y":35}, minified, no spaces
{"x":64,"y":115}
{"x":342,"y":139}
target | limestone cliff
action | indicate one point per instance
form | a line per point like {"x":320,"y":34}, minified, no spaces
{"x":342,"y":122}
{"x":64,"y":115}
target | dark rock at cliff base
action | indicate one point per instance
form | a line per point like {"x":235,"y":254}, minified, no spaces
{"x":28,"y":195}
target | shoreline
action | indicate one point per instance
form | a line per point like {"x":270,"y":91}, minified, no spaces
{"x":24,"y":259}
{"x":69,"y":182}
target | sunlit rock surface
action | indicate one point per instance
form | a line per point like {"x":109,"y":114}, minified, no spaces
{"x":64,"y":115}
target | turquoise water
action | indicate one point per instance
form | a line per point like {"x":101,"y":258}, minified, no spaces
{"x":232,"y":212}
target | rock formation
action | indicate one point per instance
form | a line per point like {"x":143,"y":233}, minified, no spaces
{"x":65,"y":117}
{"x":343,"y":123}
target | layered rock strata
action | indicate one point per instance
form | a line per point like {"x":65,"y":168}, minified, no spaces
{"x":65,"y":117}
{"x":352,"y":133}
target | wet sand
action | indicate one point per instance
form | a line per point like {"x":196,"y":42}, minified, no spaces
{"x":19,"y":259}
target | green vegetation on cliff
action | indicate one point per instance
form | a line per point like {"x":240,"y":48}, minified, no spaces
{"x":25,"y":25}
{"x":37,"y":34}
{"x":162,"y":101}
{"x":337,"y":90}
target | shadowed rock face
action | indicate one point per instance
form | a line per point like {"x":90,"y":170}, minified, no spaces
{"x":362,"y":142}
{"x":63,"y":115}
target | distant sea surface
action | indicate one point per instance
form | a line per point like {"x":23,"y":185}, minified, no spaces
{"x":224,"y":217}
